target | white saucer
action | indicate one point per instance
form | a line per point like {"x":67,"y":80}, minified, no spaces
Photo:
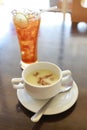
{"x":60,"y":103}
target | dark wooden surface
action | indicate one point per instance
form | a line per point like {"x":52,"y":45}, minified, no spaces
{"x":61,"y":43}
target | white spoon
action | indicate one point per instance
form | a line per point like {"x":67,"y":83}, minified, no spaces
{"x":36,"y":117}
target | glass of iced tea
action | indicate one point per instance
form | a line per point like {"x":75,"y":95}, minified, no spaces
{"x":27,"y":24}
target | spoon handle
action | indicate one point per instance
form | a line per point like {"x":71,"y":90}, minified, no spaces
{"x":36,"y":117}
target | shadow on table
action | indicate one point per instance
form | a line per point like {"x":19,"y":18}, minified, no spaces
{"x":45,"y":118}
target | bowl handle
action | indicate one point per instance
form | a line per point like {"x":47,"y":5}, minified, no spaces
{"x":67,"y":78}
{"x":17,"y":83}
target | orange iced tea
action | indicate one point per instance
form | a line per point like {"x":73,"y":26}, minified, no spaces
{"x":27,"y":28}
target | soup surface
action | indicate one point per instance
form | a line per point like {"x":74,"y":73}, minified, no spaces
{"x":42,"y":77}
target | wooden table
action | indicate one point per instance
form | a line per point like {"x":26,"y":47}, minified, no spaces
{"x":60,"y":43}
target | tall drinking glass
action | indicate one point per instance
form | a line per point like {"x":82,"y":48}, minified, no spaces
{"x":27,"y":24}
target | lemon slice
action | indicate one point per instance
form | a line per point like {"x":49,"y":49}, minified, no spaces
{"x":20,"y":20}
